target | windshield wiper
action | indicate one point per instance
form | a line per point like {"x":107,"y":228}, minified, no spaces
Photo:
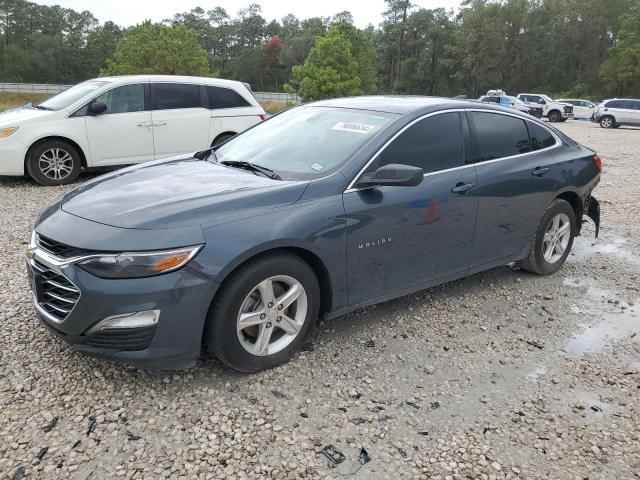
{"x":41,"y":107}
{"x":252,"y":167}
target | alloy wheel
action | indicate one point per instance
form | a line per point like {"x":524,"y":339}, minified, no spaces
{"x":272,"y":315}
{"x":56,"y":163}
{"x":606,"y":122}
{"x":556,"y":238}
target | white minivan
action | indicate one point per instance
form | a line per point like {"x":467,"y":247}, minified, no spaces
{"x":113,"y":121}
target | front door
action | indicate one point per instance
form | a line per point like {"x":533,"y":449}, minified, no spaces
{"x":180,"y":121}
{"x":401,"y":237}
{"x":123,"y":134}
{"x":516,"y":181}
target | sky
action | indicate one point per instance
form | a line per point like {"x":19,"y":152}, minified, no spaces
{"x":130,"y":12}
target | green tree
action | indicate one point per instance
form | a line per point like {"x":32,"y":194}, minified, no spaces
{"x":329,"y":71}
{"x":363,"y":53}
{"x":621,"y":70}
{"x":150,"y":48}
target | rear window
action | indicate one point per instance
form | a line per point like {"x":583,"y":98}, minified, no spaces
{"x":219,"y":97}
{"x":499,"y":136}
{"x":168,"y":96}
{"x":540,"y":137}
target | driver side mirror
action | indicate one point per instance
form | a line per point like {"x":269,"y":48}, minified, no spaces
{"x":97,"y":108}
{"x":393,"y":175}
{"x":542,"y":102}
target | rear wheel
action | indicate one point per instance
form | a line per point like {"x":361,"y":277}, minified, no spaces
{"x":54,"y":162}
{"x":553,"y":240}
{"x":222,"y":138}
{"x":607,"y":122}
{"x":263,"y":312}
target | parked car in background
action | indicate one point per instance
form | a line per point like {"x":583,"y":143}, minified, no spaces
{"x":111,"y":121}
{"x":512,"y":102}
{"x":617,"y":112}
{"x":321,"y":210}
{"x":581,"y":108}
{"x":551,"y":109}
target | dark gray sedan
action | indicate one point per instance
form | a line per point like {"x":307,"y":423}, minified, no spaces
{"x":316,"y":212}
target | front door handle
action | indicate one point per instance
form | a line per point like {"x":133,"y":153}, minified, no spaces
{"x":540,"y":171}
{"x":144,"y":124}
{"x":462,"y":188}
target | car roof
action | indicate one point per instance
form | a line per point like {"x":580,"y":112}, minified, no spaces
{"x":400,"y":104}
{"x":172,"y":78}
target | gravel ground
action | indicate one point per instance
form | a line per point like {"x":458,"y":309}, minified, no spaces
{"x":500,"y":375}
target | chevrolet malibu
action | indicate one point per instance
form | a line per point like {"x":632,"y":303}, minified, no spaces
{"x":316,"y":212}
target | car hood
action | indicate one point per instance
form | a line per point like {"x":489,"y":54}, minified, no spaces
{"x":17,"y":116}
{"x":178,"y":193}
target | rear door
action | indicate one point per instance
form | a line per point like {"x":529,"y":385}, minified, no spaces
{"x":400,"y":237}
{"x":123,"y":134}
{"x":180,"y":119}
{"x":516,"y":181}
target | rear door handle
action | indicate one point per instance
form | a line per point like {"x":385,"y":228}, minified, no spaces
{"x":540,"y":171}
{"x":159,"y":124}
{"x":462,"y":188}
{"x":144,"y":124}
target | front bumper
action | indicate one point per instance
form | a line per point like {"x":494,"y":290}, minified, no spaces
{"x":182,"y":297}
{"x":12,"y":156}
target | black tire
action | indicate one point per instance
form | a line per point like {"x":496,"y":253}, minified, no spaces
{"x":535,"y":261}
{"x":222,"y":138}
{"x":221,"y":334}
{"x":54,"y":152}
{"x":607,"y":122}
{"x":555,"y":116}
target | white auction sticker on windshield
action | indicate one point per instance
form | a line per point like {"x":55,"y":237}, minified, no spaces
{"x":353,"y":127}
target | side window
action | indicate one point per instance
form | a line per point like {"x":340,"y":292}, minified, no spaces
{"x":432,"y":144}
{"x":635,"y":104}
{"x":225,"y":98}
{"x":170,"y":96}
{"x":614,"y":104}
{"x":125,"y":99}
{"x":499,"y":136}
{"x":540,"y":137}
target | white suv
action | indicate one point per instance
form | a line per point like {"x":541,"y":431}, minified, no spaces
{"x":551,"y":109}
{"x":616,"y":112}
{"x":113,"y":121}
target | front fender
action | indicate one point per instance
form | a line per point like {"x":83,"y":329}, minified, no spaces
{"x":317,"y":226}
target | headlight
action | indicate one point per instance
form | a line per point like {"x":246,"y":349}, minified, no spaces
{"x":7,"y":132}
{"x":137,"y":264}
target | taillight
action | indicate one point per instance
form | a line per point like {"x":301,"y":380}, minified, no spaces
{"x":598,"y":161}
{"x":261,"y":117}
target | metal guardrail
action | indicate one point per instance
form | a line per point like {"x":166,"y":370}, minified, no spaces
{"x":32,"y":88}
{"x":291,"y":98}
{"x":44,"y":88}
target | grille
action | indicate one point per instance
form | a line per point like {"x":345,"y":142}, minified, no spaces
{"x":129,"y":339}
{"x":56,"y":294}
{"x":58,"y":249}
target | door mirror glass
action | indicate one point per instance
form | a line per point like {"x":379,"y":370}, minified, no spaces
{"x":97,"y":108}
{"x":542,"y":102}
{"x":393,"y":175}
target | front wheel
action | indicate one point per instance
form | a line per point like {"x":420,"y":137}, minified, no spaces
{"x":53,"y":162}
{"x":263,"y":312}
{"x":555,"y":116}
{"x":553,"y":240}
{"x":607,"y":122}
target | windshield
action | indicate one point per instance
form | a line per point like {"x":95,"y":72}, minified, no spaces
{"x":305,"y":142}
{"x":548,"y":99}
{"x":72,"y":95}
{"x":515,"y":100}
